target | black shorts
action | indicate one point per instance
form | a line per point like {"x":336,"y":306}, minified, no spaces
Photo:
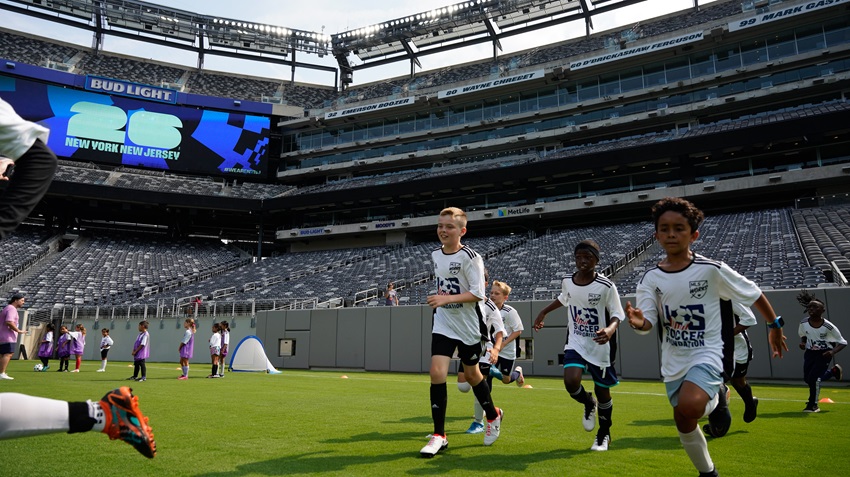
{"x":505,"y":365}
{"x":444,"y":346}
{"x":7,"y":348}
{"x":103,"y":353}
{"x":741,"y":370}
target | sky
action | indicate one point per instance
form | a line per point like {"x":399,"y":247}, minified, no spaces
{"x":333,"y":16}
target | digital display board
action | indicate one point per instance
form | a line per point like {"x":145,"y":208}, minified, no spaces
{"x":118,"y":130}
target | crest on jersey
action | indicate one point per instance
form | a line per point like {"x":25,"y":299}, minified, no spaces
{"x":593,"y":298}
{"x":698,"y":288}
{"x":454,"y":267}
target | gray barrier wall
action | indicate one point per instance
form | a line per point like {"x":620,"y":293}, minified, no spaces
{"x":398,"y":339}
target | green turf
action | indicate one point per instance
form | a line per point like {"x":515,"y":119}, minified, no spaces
{"x":316,"y":423}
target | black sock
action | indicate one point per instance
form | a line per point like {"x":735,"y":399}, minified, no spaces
{"x":144,"y":369}
{"x":813,"y":393}
{"x":78,"y":417}
{"x":746,"y":393}
{"x":214,"y":369}
{"x":482,"y":393}
{"x":44,"y":361}
{"x":581,"y":396}
{"x":439,"y":400}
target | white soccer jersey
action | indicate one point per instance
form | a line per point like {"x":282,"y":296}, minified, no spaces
{"x":106,"y":342}
{"x":512,"y":323}
{"x":187,"y":336}
{"x":495,"y":325}
{"x":586,"y":306}
{"x":742,"y":339}
{"x":17,"y":135}
{"x":821,"y":338}
{"x":456,"y":273}
{"x":215,"y":340}
{"x":688,"y":301}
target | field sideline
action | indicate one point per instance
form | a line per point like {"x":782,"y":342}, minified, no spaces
{"x":317,"y":423}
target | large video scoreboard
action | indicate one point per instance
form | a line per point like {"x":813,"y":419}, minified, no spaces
{"x":124,"y":123}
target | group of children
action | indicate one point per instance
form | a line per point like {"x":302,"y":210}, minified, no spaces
{"x":72,"y":343}
{"x":701,"y":306}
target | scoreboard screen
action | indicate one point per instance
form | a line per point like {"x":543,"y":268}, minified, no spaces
{"x":113,"y":129}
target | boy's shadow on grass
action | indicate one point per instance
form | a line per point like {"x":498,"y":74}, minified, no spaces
{"x":656,"y":422}
{"x":787,"y":414}
{"x":316,"y":462}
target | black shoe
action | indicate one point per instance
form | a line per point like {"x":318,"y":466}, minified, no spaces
{"x":811,"y":408}
{"x":751,"y":410}
{"x":131,"y":378}
{"x":713,"y":473}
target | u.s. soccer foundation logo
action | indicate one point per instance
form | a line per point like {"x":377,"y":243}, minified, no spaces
{"x":698,"y":288}
{"x":454,"y":267}
{"x":593,"y":298}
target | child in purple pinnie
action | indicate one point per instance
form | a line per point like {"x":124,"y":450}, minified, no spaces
{"x":225,"y":343}
{"x":187,"y":347}
{"x":45,"y":347}
{"x":141,"y":352}
{"x":78,"y":345}
{"x":63,"y":348}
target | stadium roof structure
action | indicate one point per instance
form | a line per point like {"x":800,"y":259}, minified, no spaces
{"x":459,"y":25}
{"x":205,"y":34}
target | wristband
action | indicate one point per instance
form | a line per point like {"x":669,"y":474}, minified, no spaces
{"x":777,"y":323}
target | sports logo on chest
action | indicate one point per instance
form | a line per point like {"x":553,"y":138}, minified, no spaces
{"x":698,"y":288}
{"x":454,"y":268}
{"x":593,"y":298}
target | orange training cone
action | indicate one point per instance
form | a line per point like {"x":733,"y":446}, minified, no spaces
{"x":827,"y":401}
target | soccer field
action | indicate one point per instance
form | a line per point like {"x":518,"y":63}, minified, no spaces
{"x":318,"y":423}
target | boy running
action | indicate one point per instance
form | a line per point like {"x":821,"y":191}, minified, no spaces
{"x":682,"y":295}
{"x":458,"y":325}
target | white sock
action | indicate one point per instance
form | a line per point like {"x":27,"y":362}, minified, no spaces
{"x":697,"y":449}
{"x":479,"y":412}
{"x":96,"y":413}
{"x":29,"y":415}
{"x":103,"y":364}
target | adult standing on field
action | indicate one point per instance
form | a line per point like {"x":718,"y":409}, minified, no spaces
{"x":9,"y":332}
{"x":391,"y":295}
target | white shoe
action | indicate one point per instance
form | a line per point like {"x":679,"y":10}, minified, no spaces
{"x":75,"y":370}
{"x":101,"y":370}
{"x":5,"y":376}
{"x":588,"y":417}
{"x":436,"y":444}
{"x":493,"y":428}
{"x":601,"y":445}
{"x":521,"y":379}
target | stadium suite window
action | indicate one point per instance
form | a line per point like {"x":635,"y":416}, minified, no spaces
{"x":781,"y":45}
{"x":753,"y":52}
{"x":837,"y":33}
{"x":810,"y":39}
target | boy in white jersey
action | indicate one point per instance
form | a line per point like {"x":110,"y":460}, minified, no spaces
{"x":458,"y":325}
{"x":590,"y":299}
{"x":821,"y":340}
{"x":682,"y":295}
{"x":509,"y":351}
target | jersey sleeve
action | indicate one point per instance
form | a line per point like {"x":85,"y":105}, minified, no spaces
{"x":564,"y":292}
{"x":474,"y":272}
{"x":645,"y":299}
{"x":801,"y":330}
{"x":745,"y":314}
{"x":736,"y":287}
{"x":514,"y":321}
{"x":835,"y":336}
{"x":614,"y":306}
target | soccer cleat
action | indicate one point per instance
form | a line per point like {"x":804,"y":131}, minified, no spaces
{"x":750,"y":410}
{"x":475,"y":428}
{"x":837,"y":371}
{"x":713,"y":473}
{"x":75,"y":371}
{"x":588,"y":418}
{"x":601,"y":442}
{"x":811,"y":408}
{"x":46,"y":368}
{"x":493,"y":428}
{"x":100,"y":370}
{"x":436,"y":444}
{"x":521,"y":379}
{"x":125,"y":421}
{"x":707,"y":430}
{"x":495,"y":373}
{"x":6,"y":376}
{"x":131,"y":378}
{"x":141,"y":380}
{"x":183,"y":378}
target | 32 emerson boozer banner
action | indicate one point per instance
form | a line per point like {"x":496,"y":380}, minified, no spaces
{"x":637,"y":50}
{"x":119,"y":130}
